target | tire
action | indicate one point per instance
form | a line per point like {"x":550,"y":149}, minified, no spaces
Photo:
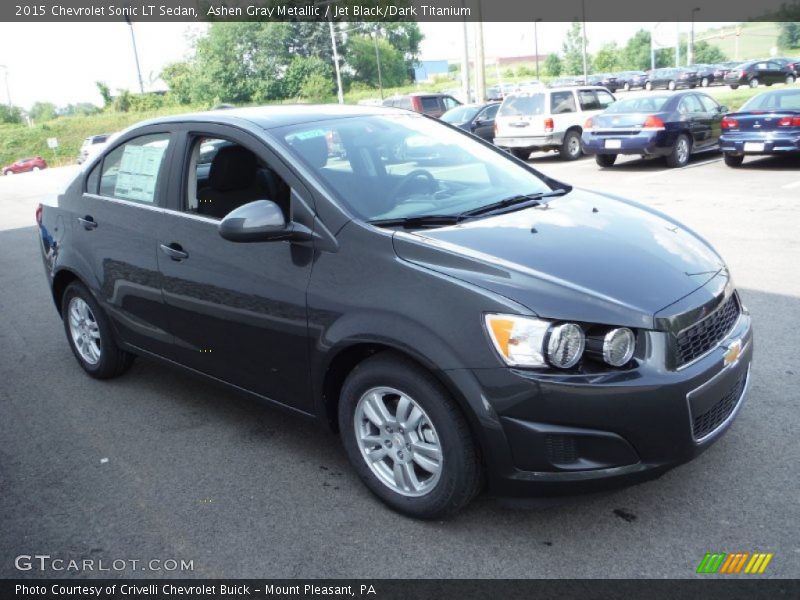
{"x":671,"y":86}
{"x":790,"y":79}
{"x":648,"y":86}
{"x":734,"y":86}
{"x":521,"y":153}
{"x":681,"y":151}
{"x":626,"y":87}
{"x":571,"y":146}
{"x":35,"y":169}
{"x":704,"y":82}
{"x":692,"y":86}
{"x":753,"y":83}
{"x":734,"y":160}
{"x":8,"y":173}
{"x":386,"y":377}
{"x":81,"y":314}
{"x":605,"y":160}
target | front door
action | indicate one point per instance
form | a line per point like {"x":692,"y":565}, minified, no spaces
{"x":237,"y":310}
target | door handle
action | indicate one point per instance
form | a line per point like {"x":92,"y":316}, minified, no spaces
{"x":174,"y":251}
{"x":88,"y":222}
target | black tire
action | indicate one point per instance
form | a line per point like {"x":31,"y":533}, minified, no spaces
{"x":704,"y":82}
{"x":605,"y":160}
{"x":753,"y":83}
{"x":461,"y":476}
{"x":648,"y":86}
{"x":734,"y":160}
{"x":113,"y":361}
{"x":677,"y":158}
{"x":521,"y":153}
{"x":626,"y":86}
{"x":734,"y":86}
{"x":790,"y":79}
{"x":571,"y":146}
{"x":671,"y":86}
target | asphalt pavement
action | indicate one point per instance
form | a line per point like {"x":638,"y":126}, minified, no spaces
{"x":159,"y":465}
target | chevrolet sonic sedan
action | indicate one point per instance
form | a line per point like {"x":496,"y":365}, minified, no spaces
{"x":463,"y":321}
{"x":767,"y":124}
{"x":670,"y":125}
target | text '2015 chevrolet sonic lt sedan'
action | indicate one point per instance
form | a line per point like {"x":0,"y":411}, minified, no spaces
{"x":458,"y":317}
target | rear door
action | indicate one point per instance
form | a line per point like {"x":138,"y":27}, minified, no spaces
{"x":592,"y":102}
{"x":693,"y":116}
{"x":563,"y":109}
{"x":777,"y":73}
{"x":116,"y":223}
{"x":713,"y":116}
{"x":484,"y":122}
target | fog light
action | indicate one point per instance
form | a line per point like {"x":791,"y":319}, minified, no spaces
{"x":618,"y":346}
{"x":565,"y":345}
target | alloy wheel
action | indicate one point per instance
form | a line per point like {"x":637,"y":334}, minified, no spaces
{"x":398,"y":441}
{"x":682,"y":150}
{"x":84,"y":331}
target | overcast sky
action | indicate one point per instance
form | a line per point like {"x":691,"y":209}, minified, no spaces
{"x":60,"y":62}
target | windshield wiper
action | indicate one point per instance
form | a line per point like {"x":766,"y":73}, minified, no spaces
{"x":517,"y":201}
{"x":419,"y":221}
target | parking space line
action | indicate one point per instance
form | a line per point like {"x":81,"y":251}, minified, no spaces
{"x":666,"y":170}
{"x":791,"y":186}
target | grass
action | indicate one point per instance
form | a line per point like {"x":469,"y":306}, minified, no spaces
{"x":756,"y":40}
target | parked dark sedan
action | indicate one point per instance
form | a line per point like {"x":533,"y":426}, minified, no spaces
{"x":766,"y":124}
{"x":756,"y":72}
{"x":629,"y":80}
{"x":606,"y":80}
{"x":24,"y":165}
{"x":708,"y":74}
{"x":475,"y":118}
{"x":670,"y":125}
{"x":471,"y":321}
{"x":671,"y":79}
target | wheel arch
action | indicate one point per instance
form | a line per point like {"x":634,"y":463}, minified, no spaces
{"x":61,"y":281}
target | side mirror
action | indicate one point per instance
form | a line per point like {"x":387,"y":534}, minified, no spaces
{"x":723,"y":109}
{"x":260,"y":221}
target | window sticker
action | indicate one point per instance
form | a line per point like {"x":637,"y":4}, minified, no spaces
{"x":138,"y":172}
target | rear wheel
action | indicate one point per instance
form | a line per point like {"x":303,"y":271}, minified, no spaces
{"x":36,"y":169}
{"x":681,"y":151}
{"x":521,"y":153}
{"x":734,"y":86}
{"x":704,"y":82}
{"x":89,"y":334}
{"x":605,"y":160}
{"x":571,"y":146}
{"x":626,"y":86}
{"x":407,"y":439}
{"x":648,"y":86}
{"x":790,"y":79}
{"x":734,"y":160}
{"x":754,"y":82}
{"x":671,"y":86}
{"x":8,"y":172}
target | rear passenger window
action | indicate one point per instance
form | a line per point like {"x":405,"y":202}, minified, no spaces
{"x":604,"y":98}
{"x":430,"y":104}
{"x":689,"y":104}
{"x":709,"y":104}
{"x":132,"y":170}
{"x":562,"y":102}
{"x":588,"y":100}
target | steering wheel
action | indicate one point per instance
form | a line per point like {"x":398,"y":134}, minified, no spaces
{"x":411,"y":177}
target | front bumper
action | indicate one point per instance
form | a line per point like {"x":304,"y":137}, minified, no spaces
{"x":546,"y":434}
{"x":774,"y":143}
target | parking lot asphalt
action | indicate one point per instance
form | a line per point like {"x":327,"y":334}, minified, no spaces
{"x":159,"y":465}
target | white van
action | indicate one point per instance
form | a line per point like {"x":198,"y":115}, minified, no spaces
{"x":548,"y":119}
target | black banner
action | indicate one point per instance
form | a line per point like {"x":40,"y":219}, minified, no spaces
{"x":717,"y":588}
{"x":392,"y":10}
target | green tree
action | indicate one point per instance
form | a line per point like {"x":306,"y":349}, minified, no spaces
{"x":607,"y":58}
{"x":43,"y":111}
{"x":404,"y":36}
{"x":105,"y":93}
{"x":179,"y":77}
{"x":361,"y":60}
{"x":636,"y":53}
{"x":316,"y":88}
{"x":705,"y":53}
{"x":10,"y":114}
{"x":122,"y":103}
{"x":301,"y":70}
{"x":572,"y":50}
{"x":552,"y":65}
{"x":82,"y":109}
{"x":789,"y":36}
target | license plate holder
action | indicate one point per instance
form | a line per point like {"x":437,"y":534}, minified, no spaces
{"x":613,"y":144}
{"x":754,"y":146}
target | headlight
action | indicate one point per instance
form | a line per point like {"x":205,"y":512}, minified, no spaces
{"x":618,"y":346}
{"x":532,"y":342}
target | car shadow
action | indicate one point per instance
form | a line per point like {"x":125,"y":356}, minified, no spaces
{"x":773,"y":163}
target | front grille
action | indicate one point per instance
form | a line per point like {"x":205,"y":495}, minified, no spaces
{"x":701,"y":337}
{"x":561,"y":449}
{"x":703,"y":425}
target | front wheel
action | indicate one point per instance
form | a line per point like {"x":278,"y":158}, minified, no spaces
{"x":734,"y":160}
{"x":734,"y":87}
{"x":671,"y":86}
{"x":407,"y":439}
{"x":704,"y":82}
{"x":648,"y":86}
{"x":571,"y":146}
{"x":681,"y":151}
{"x":790,"y":79}
{"x":521,"y":153}
{"x":89,"y":334}
{"x":605,"y":160}
{"x":627,"y":87}
{"x":754,"y":82}
{"x":36,"y":169}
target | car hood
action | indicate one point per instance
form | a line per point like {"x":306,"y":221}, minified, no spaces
{"x":584,"y":256}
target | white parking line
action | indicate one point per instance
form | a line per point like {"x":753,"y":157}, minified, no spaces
{"x":650,"y":174}
{"x":791,"y":186}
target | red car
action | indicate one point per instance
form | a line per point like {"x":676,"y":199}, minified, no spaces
{"x":37,"y":163}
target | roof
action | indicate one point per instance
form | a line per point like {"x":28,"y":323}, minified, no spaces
{"x":268,"y":117}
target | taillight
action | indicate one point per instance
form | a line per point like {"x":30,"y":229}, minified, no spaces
{"x":789,"y":122}
{"x":653,"y":122}
{"x":729,"y":123}
{"x":742,"y":73}
{"x":39,"y":215}
{"x":588,"y":125}
{"x":548,"y":125}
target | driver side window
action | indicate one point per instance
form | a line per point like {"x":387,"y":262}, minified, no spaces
{"x":224,"y":175}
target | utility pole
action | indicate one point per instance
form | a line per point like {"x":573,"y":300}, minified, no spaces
{"x":585,"y":67}
{"x":678,"y":44}
{"x":8,"y":89}
{"x":480,"y":61}
{"x":536,"y":45}
{"x":378,"y":60}
{"x":465,"y":64}
{"x":339,"y":91}
{"x":690,"y":51}
{"x":135,"y":54}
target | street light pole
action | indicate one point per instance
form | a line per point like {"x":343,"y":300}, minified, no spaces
{"x":690,"y":58}
{"x":135,"y":54}
{"x":536,"y":45}
{"x":585,"y":68}
{"x":339,"y":91}
{"x":378,"y":60}
{"x":8,"y":89}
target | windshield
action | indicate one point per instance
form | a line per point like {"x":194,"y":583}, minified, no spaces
{"x":460,"y":114}
{"x":522,"y":105}
{"x":399,"y":166}
{"x":784,"y":99}
{"x":639,"y":105}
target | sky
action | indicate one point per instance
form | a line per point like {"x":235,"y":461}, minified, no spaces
{"x":60,"y":62}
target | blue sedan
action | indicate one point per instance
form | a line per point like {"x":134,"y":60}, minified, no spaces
{"x":766,"y":124}
{"x":673,"y":126}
